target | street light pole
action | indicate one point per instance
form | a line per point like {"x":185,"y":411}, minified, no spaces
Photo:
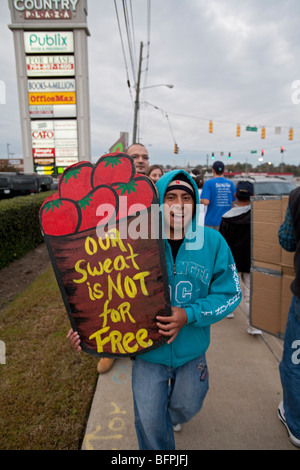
{"x":137,"y":97}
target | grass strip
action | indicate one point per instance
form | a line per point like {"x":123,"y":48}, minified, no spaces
{"x":46,"y":387}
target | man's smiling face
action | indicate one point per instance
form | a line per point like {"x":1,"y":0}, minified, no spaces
{"x":178,"y":212}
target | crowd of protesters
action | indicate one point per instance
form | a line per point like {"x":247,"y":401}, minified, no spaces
{"x":174,"y":376}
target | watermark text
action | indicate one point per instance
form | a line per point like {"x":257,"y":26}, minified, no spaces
{"x":2,"y":353}
{"x":2,"y":92}
{"x":296,"y":93}
{"x":296,"y":354}
{"x":136,"y":224}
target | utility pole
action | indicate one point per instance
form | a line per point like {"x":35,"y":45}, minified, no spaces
{"x":137,"y":97}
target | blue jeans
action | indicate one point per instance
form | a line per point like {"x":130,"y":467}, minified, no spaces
{"x":165,"y":396}
{"x":290,"y":369}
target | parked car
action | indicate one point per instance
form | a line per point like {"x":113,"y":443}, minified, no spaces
{"x":21,"y":184}
{"x":5,"y":185}
{"x":269,"y":185}
{"x":45,"y":182}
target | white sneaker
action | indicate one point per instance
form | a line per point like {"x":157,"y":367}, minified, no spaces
{"x":231,"y":315}
{"x":253,"y":331}
{"x":177,"y":427}
{"x":281,"y":416}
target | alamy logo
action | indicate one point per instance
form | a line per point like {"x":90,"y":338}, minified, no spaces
{"x":2,"y":353}
{"x":296,"y":354}
{"x":2,"y":92}
{"x":296,"y":93}
{"x":138,"y":228}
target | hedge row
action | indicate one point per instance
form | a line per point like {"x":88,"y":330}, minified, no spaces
{"x":19,"y":226}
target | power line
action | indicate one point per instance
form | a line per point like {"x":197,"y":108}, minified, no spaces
{"x":148,"y":33}
{"x":123,"y":50}
{"x":214,"y":120}
{"x":133,"y":33}
{"x":235,"y":151}
{"x":129,"y":40}
{"x":167,"y":117}
{"x":130,"y":36}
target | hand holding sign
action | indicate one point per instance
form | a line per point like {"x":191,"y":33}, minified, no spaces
{"x":107,"y":255}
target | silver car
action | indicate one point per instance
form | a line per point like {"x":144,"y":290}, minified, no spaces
{"x":269,"y":185}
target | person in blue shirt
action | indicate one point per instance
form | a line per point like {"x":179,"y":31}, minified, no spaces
{"x":217,"y":195}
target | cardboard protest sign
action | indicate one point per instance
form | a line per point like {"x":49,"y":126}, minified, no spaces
{"x":108,"y":256}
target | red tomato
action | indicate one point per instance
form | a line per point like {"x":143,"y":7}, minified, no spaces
{"x":75,"y":182}
{"x":99,"y":206}
{"x":113,"y":168}
{"x":60,"y":217}
{"x":50,"y":198}
{"x":139,"y":192}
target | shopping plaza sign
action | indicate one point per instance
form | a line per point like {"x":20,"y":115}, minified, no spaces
{"x":56,"y":41}
{"x":49,"y":11}
{"x":45,"y":34}
{"x":45,"y":66}
{"x":29,"y":5}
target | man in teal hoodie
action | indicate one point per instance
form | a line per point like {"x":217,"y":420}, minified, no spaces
{"x":170,"y":382}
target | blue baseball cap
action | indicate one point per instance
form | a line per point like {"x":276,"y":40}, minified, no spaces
{"x":219,"y":167}
{"x":244,"y":189}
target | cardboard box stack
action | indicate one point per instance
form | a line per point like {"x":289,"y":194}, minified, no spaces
{"x":272,"y":268}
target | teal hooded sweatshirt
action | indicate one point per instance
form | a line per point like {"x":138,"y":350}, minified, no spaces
{"x":203,"y":280}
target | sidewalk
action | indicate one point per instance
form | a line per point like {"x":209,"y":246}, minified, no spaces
{"x":239,"y":412}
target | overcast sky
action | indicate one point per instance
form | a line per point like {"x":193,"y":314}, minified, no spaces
{"x":230,"y":61}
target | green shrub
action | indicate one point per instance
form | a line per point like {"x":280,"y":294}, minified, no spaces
{"x":19,"y":226}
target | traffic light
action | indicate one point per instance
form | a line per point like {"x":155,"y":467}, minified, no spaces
{"x":210,"y":127}
{"x":238,"y":131}
{"x":262,"y":153}
{"x":176,"y":148}
{"x":282,"y":149}
{"x":291,"y":134}
{"x":263,"y":133}
{"x":213,"y":155}
{"x":229,"y":156}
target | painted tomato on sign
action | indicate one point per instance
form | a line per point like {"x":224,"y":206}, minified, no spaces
{"x":108,"y":256}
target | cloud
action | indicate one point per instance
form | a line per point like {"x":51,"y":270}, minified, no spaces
{"x":232,"y":62}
